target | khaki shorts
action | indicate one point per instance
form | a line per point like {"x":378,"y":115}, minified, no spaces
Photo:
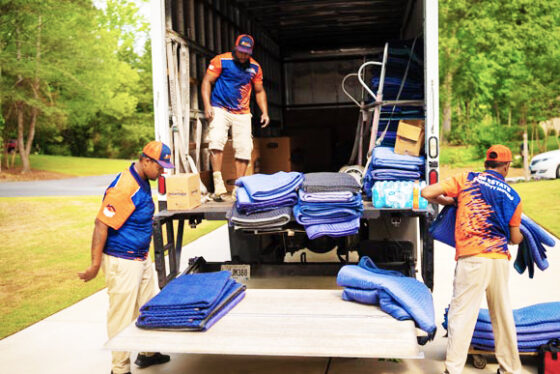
{"x":240,"y":125}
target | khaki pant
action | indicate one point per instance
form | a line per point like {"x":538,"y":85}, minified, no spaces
{"x":240,"y":125}
{"x":473,"y":277}
{"x":130,"y":284}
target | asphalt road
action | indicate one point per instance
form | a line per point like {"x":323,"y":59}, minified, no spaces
{"x":89,"y":186}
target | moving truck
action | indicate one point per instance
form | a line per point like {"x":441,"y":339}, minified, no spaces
{"x":316,"y":58}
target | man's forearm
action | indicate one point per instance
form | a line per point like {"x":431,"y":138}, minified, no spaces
{"x":262,"y":102}
{"x":98,"y":242}
{"x":206,"y":90}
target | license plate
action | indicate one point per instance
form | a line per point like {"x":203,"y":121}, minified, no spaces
{"x":241,"y":273}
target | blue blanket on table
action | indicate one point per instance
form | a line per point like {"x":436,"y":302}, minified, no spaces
{"x":327,"y":197}
{"x":261,"y":187}
{"x":230,"y":300}
{"x":333,"y":230}
{"x":324,"y":216}
{"x":330,"y":182}
{"x":201,"y":290}
{"x":401,"y":297}
{"x":247,"y":205}
{"x":385,"y":157}
{"x":388,"y":174}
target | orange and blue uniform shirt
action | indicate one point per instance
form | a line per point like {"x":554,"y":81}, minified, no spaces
{"x":232,"y":90}
{"x":486,"y":208}
{"x":128,"y":210}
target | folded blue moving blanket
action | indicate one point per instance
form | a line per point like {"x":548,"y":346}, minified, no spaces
{"x":305,"y":216}
{"x":334,"y":230}
{"x":272,"y":219}
{"x":390,"y":174}
{"x":534,"y":324}
{"x":261,"y":187}
{"x":191,"y":302}
{"x":385,"y":157}
{"x":188,"y":323}
{"x":327,"y":197}
{"x":204,"y":290}
{"x":401,"y":297}
{"x":330,"y":182}
{"x":246,"y":205}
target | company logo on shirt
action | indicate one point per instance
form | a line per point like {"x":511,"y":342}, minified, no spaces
{"x":211,"y":67}
{"x":251,"y":70}
{"x":109,"y":211}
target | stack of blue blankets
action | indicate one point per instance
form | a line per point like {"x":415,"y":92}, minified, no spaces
{"x":192,"y":302}
{"x":386,"y":165}
{"x":329,"y":204}
{"x":265,"y":201}
{"x":402,"y":297}
{"x":531,"y":250}
{"x":536,"y":325}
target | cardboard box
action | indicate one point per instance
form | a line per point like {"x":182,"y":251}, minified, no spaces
{"x":183,"y":191}
{"x":229,"y":175}
{"x":279,"y":154}
{"x":410,"y":137}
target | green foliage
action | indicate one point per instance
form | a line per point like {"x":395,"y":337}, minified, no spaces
{"x":95,"y":96}
{"x":498,"y":59}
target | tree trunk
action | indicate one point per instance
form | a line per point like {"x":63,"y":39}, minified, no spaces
{"x":509,"y":117}
{"x":35,"y":85}
{"x":497,"y":109}
{"x":19,"y":114}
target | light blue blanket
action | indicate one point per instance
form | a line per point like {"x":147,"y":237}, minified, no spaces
{"x":324,"y":216}
{"x":385,"y":157}
{"x":247,"y":206}
{"x":333,"y":230}
{"x":395,"y":174}
{"x":262,"y":187}
{"x":401,"y":297}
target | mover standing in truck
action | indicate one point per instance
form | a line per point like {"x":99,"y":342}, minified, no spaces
{"x":488,"y":216}
{"x":226,"y":106}
{"x":120,"y":244}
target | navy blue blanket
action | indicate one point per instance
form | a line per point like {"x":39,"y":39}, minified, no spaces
{"x":334,"y":230}
{"x":401,"y":297}
{"x":204,"y":290}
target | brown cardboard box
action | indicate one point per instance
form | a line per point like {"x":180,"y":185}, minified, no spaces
{"x":276,"y":154}
{"x":228,"y":164}
{"x":183,"y":191}
{"x":410,"y":137}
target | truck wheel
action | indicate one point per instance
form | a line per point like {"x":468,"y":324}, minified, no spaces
{"x":479,"y":361}
{"x":558,"y":172}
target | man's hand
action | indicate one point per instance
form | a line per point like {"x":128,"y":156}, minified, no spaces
{"x":89,"y":274}
{"x":265,"y":120}
{"x":209,"y":113}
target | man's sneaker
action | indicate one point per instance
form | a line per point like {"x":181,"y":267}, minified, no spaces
{"x":128,"y":372}
{"x":234,"y":193}
{"x":143,"y":361}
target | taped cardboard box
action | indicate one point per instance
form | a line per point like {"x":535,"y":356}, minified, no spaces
{"x":229,"y":175}
{"x":410,"y":137}
{"x":183,"y":191}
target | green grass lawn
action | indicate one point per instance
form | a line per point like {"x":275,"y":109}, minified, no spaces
{"x":541,"y":202}
{"x":80,"y":166}
{"x":45,"y":243}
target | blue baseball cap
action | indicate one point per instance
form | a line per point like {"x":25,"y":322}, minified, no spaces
{"x":160,"y":153}
{"x":245,"y":43}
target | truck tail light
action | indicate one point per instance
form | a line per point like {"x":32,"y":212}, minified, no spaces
{"x":433,"y":176}
{"x":161,"y":185}
{"x":433,"y":149}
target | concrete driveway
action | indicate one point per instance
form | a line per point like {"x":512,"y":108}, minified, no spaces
{"x":89,"y":186}
{"x":71,"y":341}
